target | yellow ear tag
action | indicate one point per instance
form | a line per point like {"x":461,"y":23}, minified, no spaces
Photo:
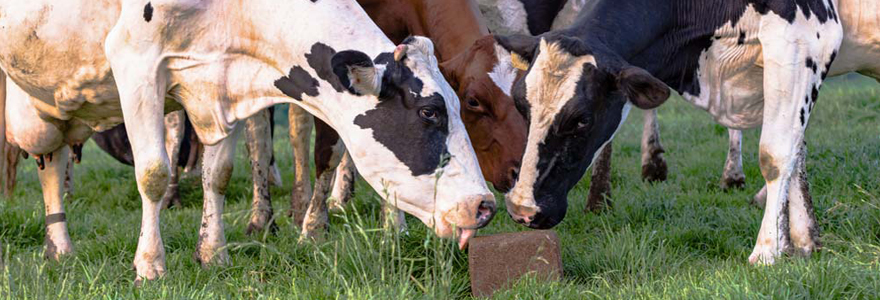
{"x":518,"y":62}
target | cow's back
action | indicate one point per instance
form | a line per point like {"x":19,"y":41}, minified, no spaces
{"x":54,"y":50}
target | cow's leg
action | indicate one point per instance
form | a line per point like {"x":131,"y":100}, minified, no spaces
{"x":802,"y":218}
{"x":301,"y":123}
{"x":343,"y":183}
{"x":216,"y":172}
{"x":52,"y":181}
{"x":760,"y":199}
{"x":653,"y":164}
{"x":68,"y":175}
{"x":600,"y":182}
{"x":8,"y":152}
{"x":329,"y":150}
{"x":392,"y":217}
{"x":733,"y":176}
{"x":259,"y":145}
{"x":794,"y":60}
{"x":142,"y":95}
{"x":274,"y":173}
{"x":174,"y":128}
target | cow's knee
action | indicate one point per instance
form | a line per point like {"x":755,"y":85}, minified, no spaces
{"x":153,"y":177}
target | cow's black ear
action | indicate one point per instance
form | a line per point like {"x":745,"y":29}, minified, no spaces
{"x":522,"y":45}
{"x":356,"y":72}
{"x":641,"y":88}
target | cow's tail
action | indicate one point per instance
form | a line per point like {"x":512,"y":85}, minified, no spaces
{"x":9,"y":154}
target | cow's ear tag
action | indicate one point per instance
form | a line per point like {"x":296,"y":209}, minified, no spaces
{"x":518,"y":62}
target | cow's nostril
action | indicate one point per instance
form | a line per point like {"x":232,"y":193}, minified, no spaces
{"x":485,"y":212}
{"x":514,"y":174}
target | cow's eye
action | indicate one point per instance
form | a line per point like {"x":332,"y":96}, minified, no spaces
{"x":429,"y":114}
{"x":472,"y":103}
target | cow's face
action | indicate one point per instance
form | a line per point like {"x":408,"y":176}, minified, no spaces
{"x":400,"y":121}
{"x":573,"y":106}
{"x":498,"y":132}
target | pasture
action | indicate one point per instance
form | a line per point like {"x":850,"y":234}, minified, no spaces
{"x":683,"y":238}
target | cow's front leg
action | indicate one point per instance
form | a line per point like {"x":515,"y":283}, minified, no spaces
{"x":142,"y":98}
{"x":343,"y":183}
{"x":600,"y":182}
{"x":259,"y":145}
{"x":216,"y":172}
{"x":653,"y":164}
{"x":794,"y":61}
{"x":329,"y":150}
{"x":301,"y":123}
{"x":175,"y":123}
{"x":52,"y":176}
{"x":733,"y":176}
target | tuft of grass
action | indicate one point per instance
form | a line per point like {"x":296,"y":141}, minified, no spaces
{"x":683,"y":238}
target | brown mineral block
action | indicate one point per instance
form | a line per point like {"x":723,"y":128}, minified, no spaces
{"x":498,"y":260}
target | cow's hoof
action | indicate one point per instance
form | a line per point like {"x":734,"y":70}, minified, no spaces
{"x":256,"y":228}
{"x":598,"y":203}
{"x":149,"y":267}
{"x":760,"y":199}
{"x":655,"y":169}
{"x":55,"y":251}
{"x":733,"y":181}
{"x":764,"y":255}
{"x":211,"y":257}
{"x":171,"y":198}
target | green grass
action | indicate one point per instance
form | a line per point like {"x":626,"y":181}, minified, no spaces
{"x":683,"y":238}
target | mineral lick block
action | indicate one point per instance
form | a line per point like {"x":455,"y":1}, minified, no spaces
{"x":496,"y":261}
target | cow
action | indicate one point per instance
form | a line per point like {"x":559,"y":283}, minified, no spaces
{"x":468,"y":60}
{"x":537,"y":17}
{"x":83,"y":66}
{"x":748,"y":63}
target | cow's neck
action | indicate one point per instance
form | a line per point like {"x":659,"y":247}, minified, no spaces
{"x":665,"y":38}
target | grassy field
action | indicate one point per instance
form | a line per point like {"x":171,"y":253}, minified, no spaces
{"x":683,"y":238}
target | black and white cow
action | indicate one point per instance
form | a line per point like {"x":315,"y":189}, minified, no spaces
{"x":747,"y":62}
{"x":82,"y":66}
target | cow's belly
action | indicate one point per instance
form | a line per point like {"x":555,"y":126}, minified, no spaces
{"x":730,"y":78}
{"x":860,"y":49}
{"x":54,"y":51}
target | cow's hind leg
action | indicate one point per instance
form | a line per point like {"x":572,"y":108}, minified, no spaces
{"x":802,"y":218}
{"x":733,"y":176}
{"x":600,"y":182}
{"x":216,"y":172}
{"x":654,"y":166}
{"x":301,"y":123}
{"x":259,"y":145}
{"x":795,"y":60}
{"x":343,"y":183}
{"x":174,"y":131}
{"x":52,"y":176}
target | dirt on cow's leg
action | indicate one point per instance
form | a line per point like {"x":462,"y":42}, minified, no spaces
{"x":301,"y":123}
{"x":175,"y":123}
{"x":653,"y":164}
{"x":216,"y":173}
{"x":259,"y":145}
{"x":600,"y":183}
{"x":802,"y":218}
{"x":733,"y":176}
{"x":343,"y":183}
{"x":52,"y":181}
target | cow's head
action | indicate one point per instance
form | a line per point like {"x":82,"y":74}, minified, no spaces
{"x":482,"y":81}
{"x":574,"y":99}
{"x":399,"y":119}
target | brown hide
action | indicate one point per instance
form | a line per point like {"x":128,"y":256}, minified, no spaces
{"x":467,"y":53}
